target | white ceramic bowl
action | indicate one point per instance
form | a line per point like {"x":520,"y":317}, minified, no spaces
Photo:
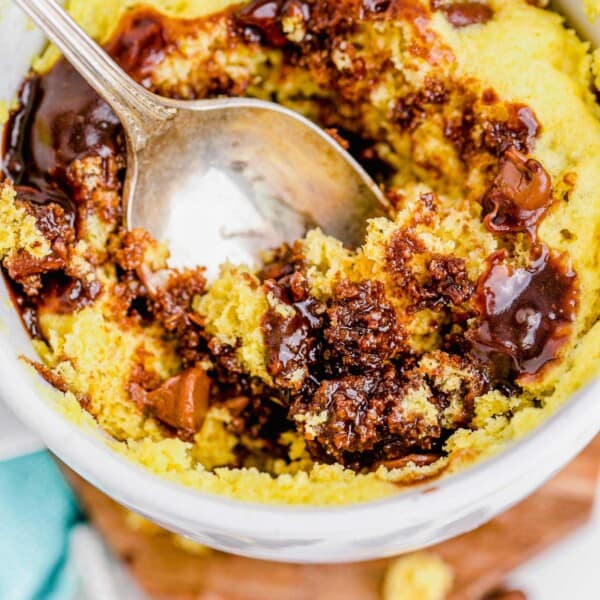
{"x":411,"y":520}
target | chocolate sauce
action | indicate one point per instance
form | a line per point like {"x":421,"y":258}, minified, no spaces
{"x":64,"y":295}
{"x":27,"y":310}
{"x":64,"y":119}
{"x":15,"y":150}
{"x":519,"y":196}
{"x":290,"y":340}
{"x":140,"y":45}
{"x":526,"y":313}
{"x":61,"y":119}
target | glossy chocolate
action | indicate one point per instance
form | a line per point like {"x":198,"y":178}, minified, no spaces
{"x":526,"y":312}
{"x":519,"y":196}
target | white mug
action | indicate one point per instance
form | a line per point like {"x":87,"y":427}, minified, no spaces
{"x":410,"y":520}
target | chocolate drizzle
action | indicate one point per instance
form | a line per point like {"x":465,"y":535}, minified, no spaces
{"x":525,"y":312}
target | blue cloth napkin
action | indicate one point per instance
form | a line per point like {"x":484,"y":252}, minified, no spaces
{"x":37,"y":512}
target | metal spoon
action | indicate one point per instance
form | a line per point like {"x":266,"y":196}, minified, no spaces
{"x":219,"y":179}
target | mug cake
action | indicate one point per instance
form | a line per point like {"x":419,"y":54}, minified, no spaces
{"x":321,"y":374}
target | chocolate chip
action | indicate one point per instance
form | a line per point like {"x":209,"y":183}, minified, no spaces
{"x":181,"y":401}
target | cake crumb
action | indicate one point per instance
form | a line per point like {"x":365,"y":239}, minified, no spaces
{"x":419,"y":576}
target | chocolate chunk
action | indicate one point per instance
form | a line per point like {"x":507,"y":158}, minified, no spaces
{"x":463,"y":14}
{"x":519,"y":196}
{"x":525,"y":314}
{"x":363,"y":331}
{"x":181,"y":401}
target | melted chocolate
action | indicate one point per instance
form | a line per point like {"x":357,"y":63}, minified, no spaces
{"x":262,"y":19}
{"x":49,"y":194}
{"x":290,"y":339}
{"x":519,"y":130}
{"x":519,"y":196}
{"x":463,"y":14}
{"x":140,"y":45}
{"x":526,"y":313}
{"x":64,"y":295}
{"x":27,"y":310}
{"x":61,"y":119}
{"x":16,"y":147}
{"x":20,"y":148}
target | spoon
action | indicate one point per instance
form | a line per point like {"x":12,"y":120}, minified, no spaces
{"x":219,"y":179}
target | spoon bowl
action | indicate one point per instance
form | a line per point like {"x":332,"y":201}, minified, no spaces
{"x":228,"y":178}
{"x":220,"y":179}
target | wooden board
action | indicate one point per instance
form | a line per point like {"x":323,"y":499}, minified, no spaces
{"x":481,"y":559}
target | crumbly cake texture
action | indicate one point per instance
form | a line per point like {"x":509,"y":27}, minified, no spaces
{"x":422,"y":575}
{"x":327,"y":375}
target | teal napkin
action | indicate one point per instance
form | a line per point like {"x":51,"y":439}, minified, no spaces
{"x":37,"y":512}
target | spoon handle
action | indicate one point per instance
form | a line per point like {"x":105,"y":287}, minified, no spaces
{"x":137,"y":108}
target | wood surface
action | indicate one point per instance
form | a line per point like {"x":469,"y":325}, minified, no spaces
{"x":481,"y":559}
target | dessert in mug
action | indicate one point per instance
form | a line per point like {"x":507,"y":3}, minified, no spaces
{"x":322,"y":374}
